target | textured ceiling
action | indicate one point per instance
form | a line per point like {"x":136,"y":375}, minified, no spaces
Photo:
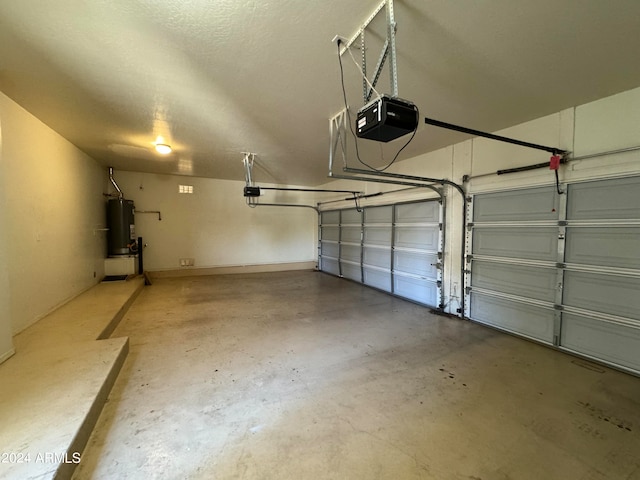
{"x":216,"y":78}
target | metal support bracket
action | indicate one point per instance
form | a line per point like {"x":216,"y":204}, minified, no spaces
{"x":151,"y":211}
{"x":388,"y":51}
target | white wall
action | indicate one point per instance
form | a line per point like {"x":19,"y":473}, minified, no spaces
{"x":608,"y":124}
{"x":54,"y":204}
{"x":214,"y":226}
{"x":6,"y":345}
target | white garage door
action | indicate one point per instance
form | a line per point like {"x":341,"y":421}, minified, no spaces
{"x":561,"y":269}
{"x":395,"y":248}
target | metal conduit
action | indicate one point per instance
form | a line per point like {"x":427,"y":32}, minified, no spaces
{"x":439,"y":181}
{"x":379,"y":180}
{"x":284,"y":189}
{"x":368,"y":196}
{"x":151,"y":211}
{"x":115,"y":185}
{"x":253,"y":205}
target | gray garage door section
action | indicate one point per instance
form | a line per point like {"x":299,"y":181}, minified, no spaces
{"x":394,"y":248}
{"x":560,"y":269}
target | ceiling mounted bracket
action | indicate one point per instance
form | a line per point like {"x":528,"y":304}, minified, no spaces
{"x":388,"y":50}
{"x":247,"y":160}
{"x":338,"y":137}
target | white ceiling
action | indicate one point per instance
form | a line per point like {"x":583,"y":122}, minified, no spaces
{"x":219,"y":77}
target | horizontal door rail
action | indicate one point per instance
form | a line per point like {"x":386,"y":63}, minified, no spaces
{"x":603,"y":317}
{"x":547,"y":223}
{"x":399,"y":273}
{"x":514,"y":298}
{"x":602,"y":270}
{"x":603,"y":223}
{"x":512,"y":261}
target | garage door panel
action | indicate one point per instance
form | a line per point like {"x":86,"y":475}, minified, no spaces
{"x":521,"y":243}
{"x":525,"y":281}
{"x":419,"y":290}
{"x":604,"y":199}
{"x":603,"y":293}
{"x":351,"y":271}
{"x":377,"y":278}
{"x":529,"y":320}
{"x":424,"y":238}
{"x":611,"y":342}
{"x":331,"y":233}
{"x":329,"y":249}
{"x":604,"y":246}
{"x":350,"y":252}
{"x":523,"y":205}
{"x":351,"y":216}
{"x":377,"y":235}
{"x":364,"y":244}
{"x":421,"y":264}
{"x":585,"y":268}
{"x":423,"y":212}
{"x":351,"y":234}
{"x":377,"y":257}
{"x":378,"y":214}
{"x":330,"y":265}
{"x":332,"y":217}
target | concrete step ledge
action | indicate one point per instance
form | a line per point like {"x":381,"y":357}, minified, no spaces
{"x":55,"y":386}
{"x":79,"y":442}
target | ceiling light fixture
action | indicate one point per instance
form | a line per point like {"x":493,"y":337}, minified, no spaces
{"x":163,"y":148}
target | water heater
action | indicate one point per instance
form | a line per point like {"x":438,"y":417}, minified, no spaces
{"x":122,"y":229}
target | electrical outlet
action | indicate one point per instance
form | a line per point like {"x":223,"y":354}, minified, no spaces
{"x":187,"y":262}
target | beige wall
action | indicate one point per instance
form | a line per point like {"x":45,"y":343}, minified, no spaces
{"x":6,"y":345}
{"x":604,"y":125}
{"x":54,"y":206}
{"x":214,"y":226}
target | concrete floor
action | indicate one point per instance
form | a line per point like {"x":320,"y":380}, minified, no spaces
{"x":300,"y":375}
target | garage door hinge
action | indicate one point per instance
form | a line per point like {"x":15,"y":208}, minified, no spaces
{"x":561,"y":265}
{"x":469,"y":257}
{"x":439,"y":283}
{"x":562,"y":223}
{"x":558,"y":307}
{"x":470,"y":225}
{"x":467,"y":290}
